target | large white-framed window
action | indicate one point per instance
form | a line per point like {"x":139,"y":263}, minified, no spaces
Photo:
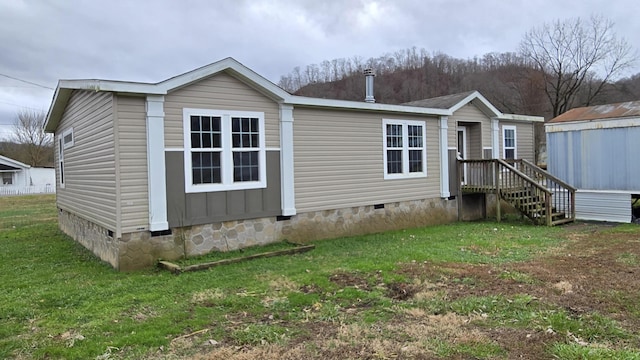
{"x":223,"y":150}
{"x":405,"y":151}
{"x":509,"y":142}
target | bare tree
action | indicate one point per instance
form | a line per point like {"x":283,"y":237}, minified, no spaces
{"x":576,"y":58}
{"x":29,"y":132}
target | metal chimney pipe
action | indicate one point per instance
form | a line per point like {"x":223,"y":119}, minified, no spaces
{"x":368,"y":77}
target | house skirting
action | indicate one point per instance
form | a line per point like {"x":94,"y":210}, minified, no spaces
{"x":141,"y":250}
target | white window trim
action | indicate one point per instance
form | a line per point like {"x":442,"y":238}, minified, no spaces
{"x":73,"y":138}
{"x":405,"y":149}
{"x":515,"y":141}
{"x":226,"y":159}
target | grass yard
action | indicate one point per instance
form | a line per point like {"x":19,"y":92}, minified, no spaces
{"x":479,"y":290}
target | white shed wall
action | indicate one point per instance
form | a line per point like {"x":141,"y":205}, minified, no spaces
{"x":603,"y":206}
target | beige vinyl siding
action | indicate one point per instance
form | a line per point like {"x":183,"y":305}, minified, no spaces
{"x":474,"y":139}
{"x":470,"y":113}
{"x":524,"y":139}
{"x":221,"y":92}
{"x":338,"y":161}
{"x":89,"y":165}
{"x":132,"y":145}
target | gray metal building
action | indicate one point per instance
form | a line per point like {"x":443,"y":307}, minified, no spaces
{"x":596,"y":149}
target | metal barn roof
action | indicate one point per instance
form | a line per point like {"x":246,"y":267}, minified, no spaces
{"x":608,"y":111}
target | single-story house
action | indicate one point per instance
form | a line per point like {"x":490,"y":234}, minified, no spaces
{"x":594,"y":149}
{"x":17,"y":178}
{"x":220,"y":158}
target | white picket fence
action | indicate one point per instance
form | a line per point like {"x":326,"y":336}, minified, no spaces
{"x":26,"y":190}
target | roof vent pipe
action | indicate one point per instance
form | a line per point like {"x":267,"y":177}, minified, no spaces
{"x":368,"y":76}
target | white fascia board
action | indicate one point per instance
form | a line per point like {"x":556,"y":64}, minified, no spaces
{"x":356,"y":105}
{"x":592,"y":124}
{"x":224,"y":65}
{"x":473,"y":96}
{"x":523,"y":118}
{"x":14,"y":163}
{"x":112,"y":86}
{"x":56,"y":109}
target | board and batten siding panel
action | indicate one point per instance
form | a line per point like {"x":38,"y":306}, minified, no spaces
{"x":134,"y":185}
{"x":338,"y":161}
{"x":470,"y":113}
{"x":89,"y":165}
{"x":220,"y":92}
{"x":524,"y":139}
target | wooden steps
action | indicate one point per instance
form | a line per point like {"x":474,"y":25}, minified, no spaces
{"x":543,"y":198}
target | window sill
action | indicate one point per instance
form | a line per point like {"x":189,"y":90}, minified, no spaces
{"x":405,"y":176}
{"x":220,"y":187}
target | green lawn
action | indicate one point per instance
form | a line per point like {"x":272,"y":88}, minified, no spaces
{"x":59,"y":301}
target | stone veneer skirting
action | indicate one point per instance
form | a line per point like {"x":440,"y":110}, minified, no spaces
{"x":140,"y":250}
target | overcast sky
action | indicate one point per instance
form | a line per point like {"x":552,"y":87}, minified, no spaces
{"x":42,"y":41}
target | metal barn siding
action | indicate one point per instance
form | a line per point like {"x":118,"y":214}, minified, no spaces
{"x":603,"y":206}
{"x":596,"y":159}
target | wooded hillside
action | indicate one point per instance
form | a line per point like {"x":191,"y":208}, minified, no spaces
{"x":511,"y":82}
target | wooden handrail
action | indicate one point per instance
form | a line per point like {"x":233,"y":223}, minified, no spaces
{"x":500,"y":176}
{"x":524,"y":176}
{"x":547,"y":175}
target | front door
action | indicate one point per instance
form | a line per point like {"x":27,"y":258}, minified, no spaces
{"x":462,"y":149}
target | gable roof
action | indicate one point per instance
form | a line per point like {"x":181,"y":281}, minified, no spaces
{"x":598,"y":112}
{"x":441,"y":102}
{"x":444,"y":105}
{"x":454,"y":102}
{"x":12,"y":164}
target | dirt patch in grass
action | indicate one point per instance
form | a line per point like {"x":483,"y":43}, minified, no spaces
{"x":350,"y":279}
{"x":594,"y":273}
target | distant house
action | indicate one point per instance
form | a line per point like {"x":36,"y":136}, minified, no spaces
{"x":220,"y":158}
{"x":19,"y":179}
{"x":596,"y":150}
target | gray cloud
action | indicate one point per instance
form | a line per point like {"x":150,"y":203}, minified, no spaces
{"x":150,"y":40}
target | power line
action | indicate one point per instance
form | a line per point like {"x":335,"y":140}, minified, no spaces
{"x":27,"y":81}
{"x":21,"y":106}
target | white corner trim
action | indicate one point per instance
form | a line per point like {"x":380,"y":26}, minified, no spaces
{"x":444,"y":158}
{"x":519,"y":117}
{"x":288,"y":197}
{"x":156,"y":164}
{"x":495,"y":138}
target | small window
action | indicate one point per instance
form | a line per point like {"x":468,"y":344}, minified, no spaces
{"x":61,"y":161}
{"x":7,"y":178}
{"x":404,"y":149}
{"x":509,"y":150}
{"x":67,"y":138}
{"x":224,"y":150}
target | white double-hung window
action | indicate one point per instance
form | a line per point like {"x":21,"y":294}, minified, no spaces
{"x":223,"y":150}
{"x":404,"y":143}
